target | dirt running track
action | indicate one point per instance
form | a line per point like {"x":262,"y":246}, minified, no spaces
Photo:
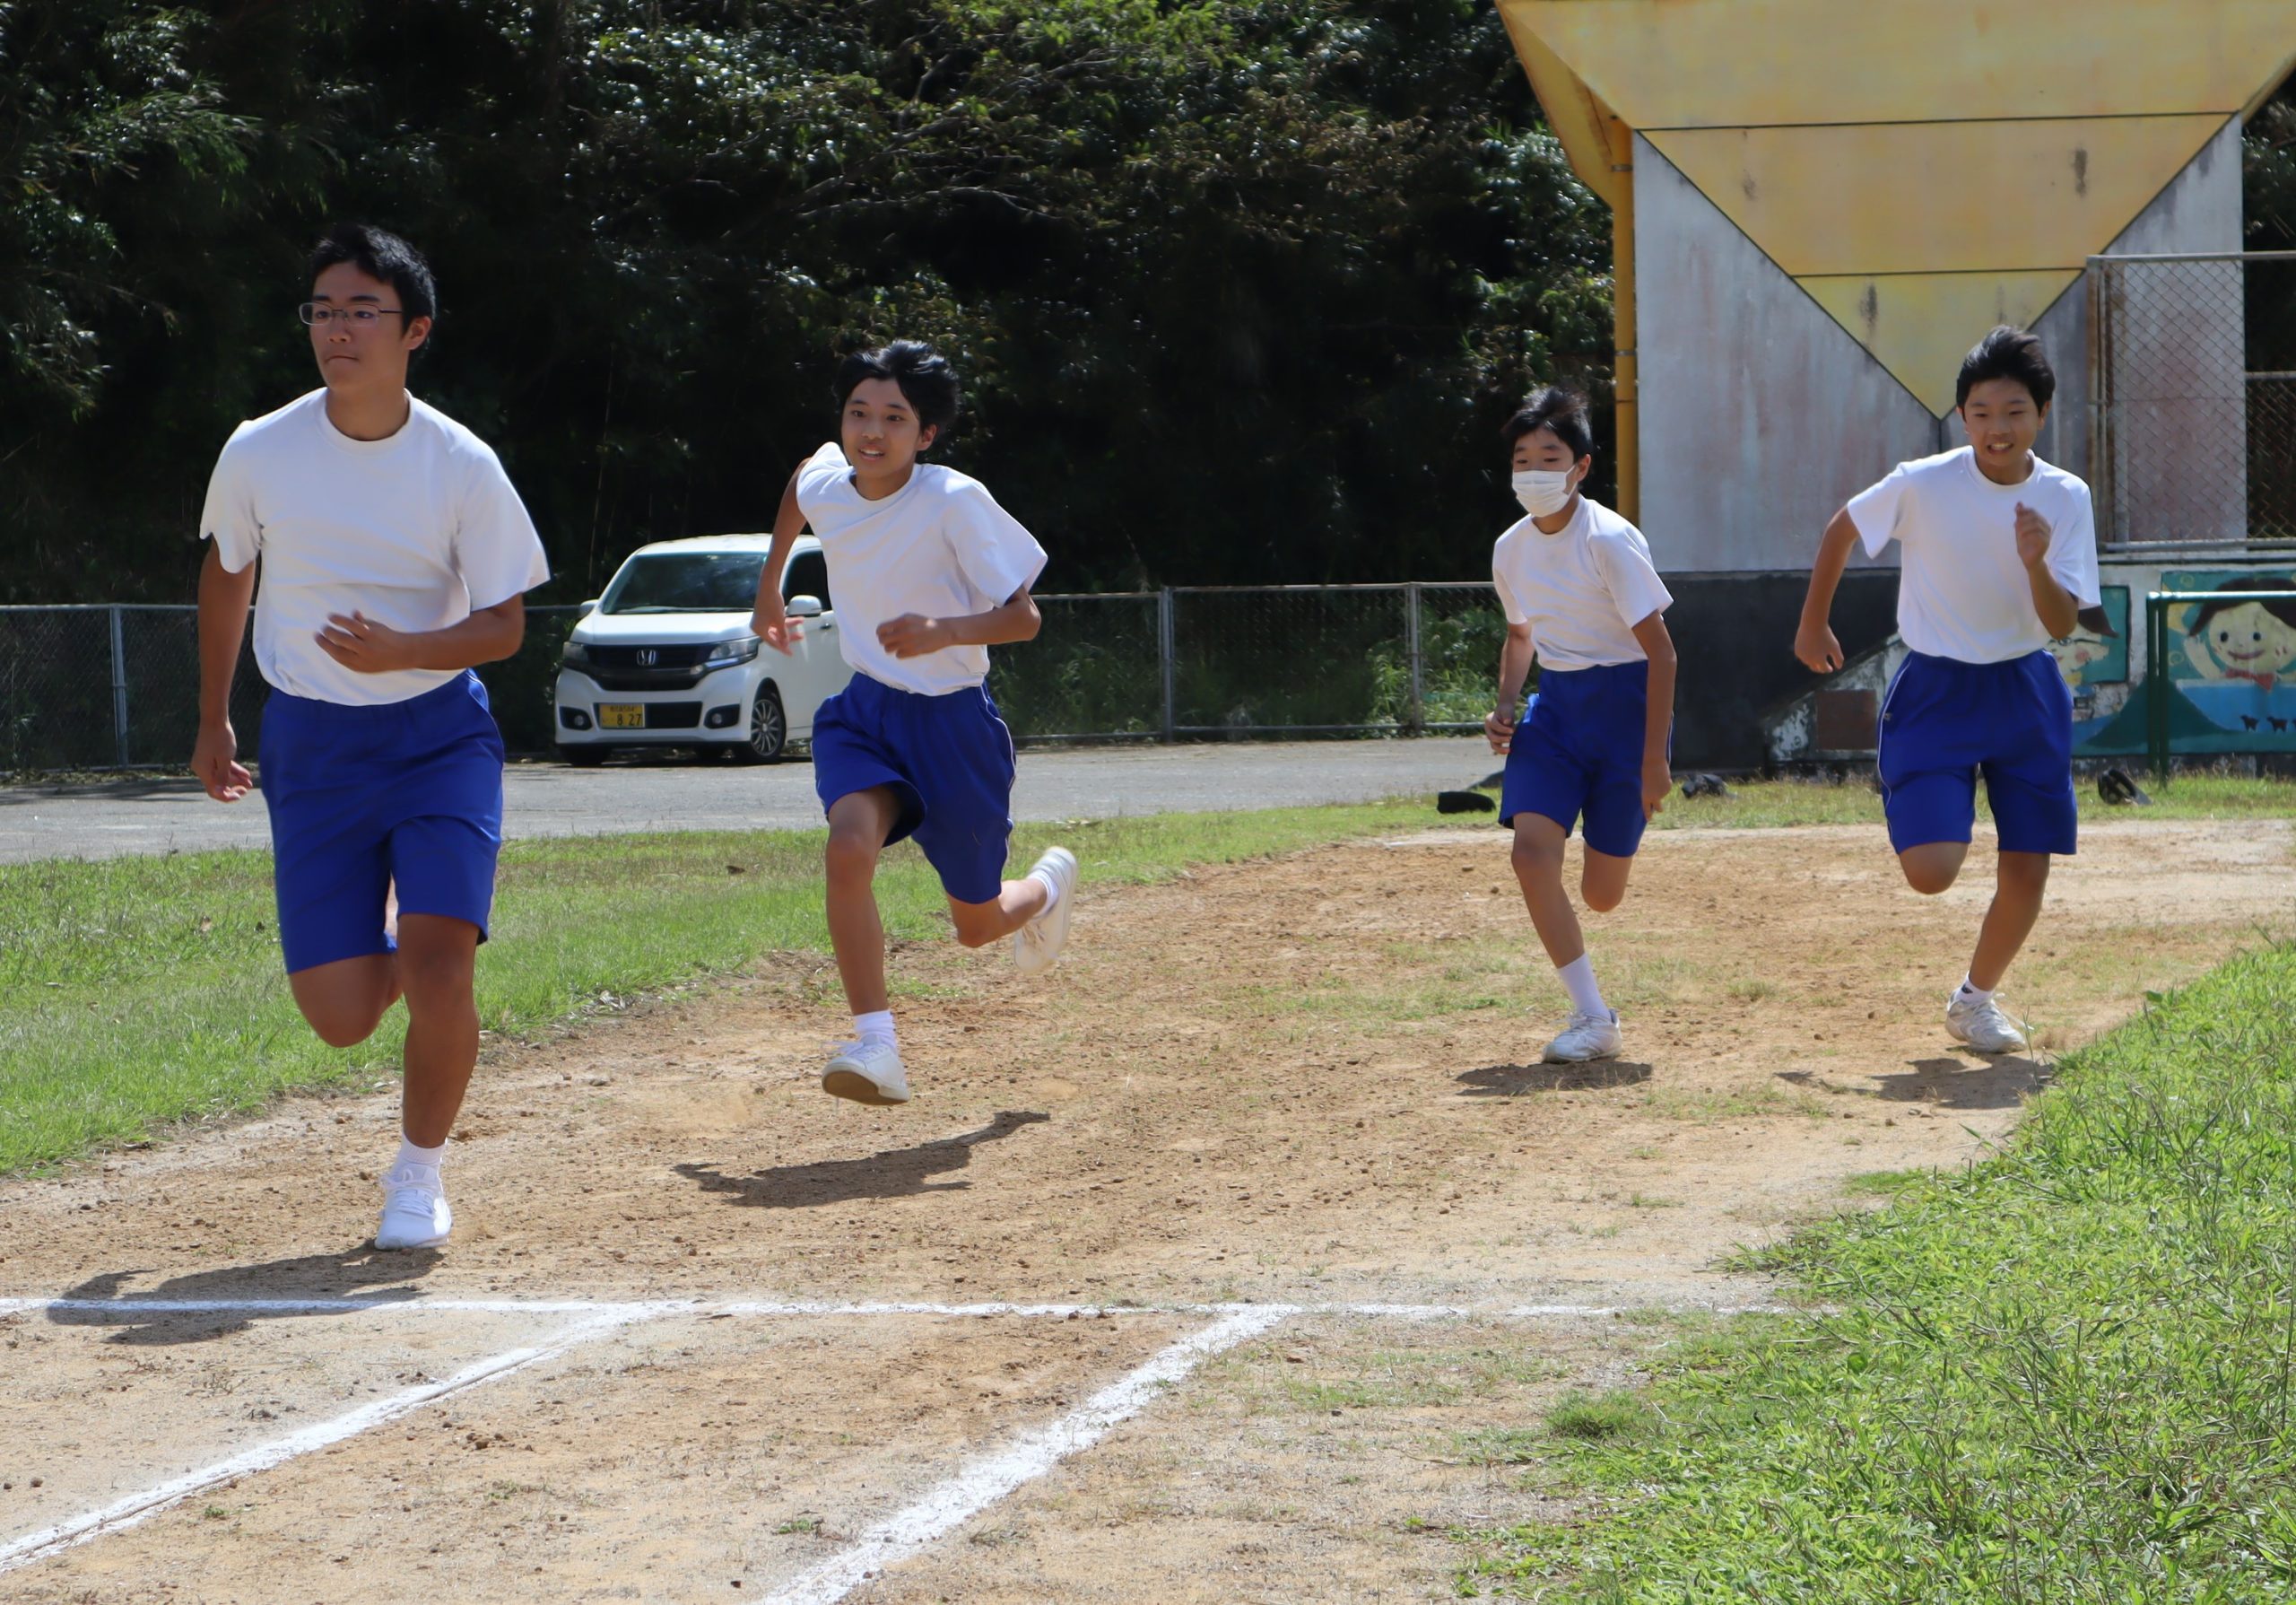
{"x":1301,"y":1082}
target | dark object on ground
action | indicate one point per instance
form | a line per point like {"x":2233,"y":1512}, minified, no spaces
{"x":1464,"y":802}
{"x":1493,"y":782}
{"x":2114,"y":787}
{"x":1704,"y":785}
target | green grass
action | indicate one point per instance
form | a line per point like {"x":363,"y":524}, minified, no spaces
{"x":2065,"y":1374}
{"x":147,"y":991}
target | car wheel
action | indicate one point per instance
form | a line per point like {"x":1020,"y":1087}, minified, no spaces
{"x":582,"y":757}
{"x":769,"y":728}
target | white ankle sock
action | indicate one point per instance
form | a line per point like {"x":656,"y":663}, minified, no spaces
{"x":1973,"y":992}
{"x":874,"y":1027}
{"x":1051,"y":891}
{"x":412,"y":1154}
{"x":1577,"y":977}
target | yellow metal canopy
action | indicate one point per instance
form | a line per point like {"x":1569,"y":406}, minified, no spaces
{"x":1922,"y":168}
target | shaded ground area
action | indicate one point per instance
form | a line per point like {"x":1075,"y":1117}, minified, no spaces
{"x":1307,"y":1079}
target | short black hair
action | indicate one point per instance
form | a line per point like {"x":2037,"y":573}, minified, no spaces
{"x":927,"y":381}
{"x":2007,"y":353}
{"x":381,"y":254}
{"x":2229,"y":597}
{"x":1557,"y":407}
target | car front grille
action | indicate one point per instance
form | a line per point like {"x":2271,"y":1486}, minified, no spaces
{"x":628,"y":669}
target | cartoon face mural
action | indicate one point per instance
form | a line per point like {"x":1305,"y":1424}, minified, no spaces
{"x":2237,"y":640}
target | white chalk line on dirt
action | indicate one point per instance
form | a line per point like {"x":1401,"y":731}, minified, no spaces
{"x":715,"y":1307}
{"x":981,"y":1482}
{"x":138,"y":1506}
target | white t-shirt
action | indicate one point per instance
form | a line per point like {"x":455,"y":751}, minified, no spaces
{"x":415,"y":531}
{"x":1963,"y":593}
{"x":1581,"y":589}
{"x":939,"y":547}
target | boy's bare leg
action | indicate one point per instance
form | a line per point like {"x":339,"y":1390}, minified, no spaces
{"x":2017,"y":894}
{"x":436,"y":959}
{"x":345,"y":1000}
{"x":1538,"y":867}
{"x":980,"y":923}
{"x":1602,"y":881}
{"x":1933,"y":866}
{"x":859,"y":825}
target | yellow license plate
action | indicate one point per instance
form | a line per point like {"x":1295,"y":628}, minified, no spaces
{"x":621,"y":716}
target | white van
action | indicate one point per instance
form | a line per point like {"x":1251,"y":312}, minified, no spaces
{"x":665,"y":657}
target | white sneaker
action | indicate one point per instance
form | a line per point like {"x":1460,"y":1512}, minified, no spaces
{"x":867,"y":1073}
{"x":1036,"y":945}
{"x":414,"y":1210}
{"x":1982,"y":1025}
{"x":1587,"y":1036}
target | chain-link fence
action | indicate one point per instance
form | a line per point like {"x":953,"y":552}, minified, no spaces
{"x":114,"y":687}
{"x":2195,"y":398}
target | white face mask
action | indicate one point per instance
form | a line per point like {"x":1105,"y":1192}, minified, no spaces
{"x":1543,"y":492}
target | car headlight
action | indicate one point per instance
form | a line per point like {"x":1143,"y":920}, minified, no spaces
{"x":733,"y":651}
{"x":577,"y":655}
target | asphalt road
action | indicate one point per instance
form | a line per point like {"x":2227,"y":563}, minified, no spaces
{"x":111,"y":818}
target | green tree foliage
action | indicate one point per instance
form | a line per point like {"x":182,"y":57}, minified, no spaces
{"x":1241,"y":290}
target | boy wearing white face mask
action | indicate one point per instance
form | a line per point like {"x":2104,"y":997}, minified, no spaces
{"x":1580,"y":593}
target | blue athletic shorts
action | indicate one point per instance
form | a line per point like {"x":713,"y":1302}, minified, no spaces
{"x":1577,"y":748}
{"x":1944,"y":722}
{"x":359,"y":798}
{"x":948,"y":758}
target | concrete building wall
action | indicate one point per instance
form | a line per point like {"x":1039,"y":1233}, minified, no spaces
{"x":1760,"y":413}
{"x":2200,"y":211}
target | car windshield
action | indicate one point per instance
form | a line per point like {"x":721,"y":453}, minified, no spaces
{"x":685,"y":582}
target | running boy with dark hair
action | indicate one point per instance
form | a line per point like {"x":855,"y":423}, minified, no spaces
{"x":928,"y":572}
{"x":2000,"y":555}
{"x":395,"y":556}
{"x":1582,"y":595}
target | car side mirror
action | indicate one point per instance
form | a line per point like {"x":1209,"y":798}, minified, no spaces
{"x":586,"y":609}
{"x":802,"y":607}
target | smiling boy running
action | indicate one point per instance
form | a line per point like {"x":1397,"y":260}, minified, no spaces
{"x":929,"y":573}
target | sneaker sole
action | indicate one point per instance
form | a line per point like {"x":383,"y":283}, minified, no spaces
{"x":1583,"y":1058}
{"x":381,"y":1247}
{"x":855,"y":1087}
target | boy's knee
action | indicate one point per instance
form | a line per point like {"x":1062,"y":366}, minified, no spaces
{"x":443,"y":976}
{"x":1534,"y":860}
{"x":1603,"y":898}
{"x":851,"y":856}
{"x":339,"y":1027}
{"x":1929,"y":879}
{"x":976,"y":927}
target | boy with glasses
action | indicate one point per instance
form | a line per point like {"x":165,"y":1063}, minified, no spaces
{"x":395,"y":556}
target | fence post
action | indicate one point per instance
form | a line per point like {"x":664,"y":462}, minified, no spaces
{"x":1418,"y":661}
{"x":2156,"y":687}
{"x":118,"y":689}
{"x":1165,"y":654}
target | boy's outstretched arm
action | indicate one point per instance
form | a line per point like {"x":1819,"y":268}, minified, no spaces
{"x":767,"y":620}
{"x":1813,"y":641}
{"x":223,"y":598}
{"x":912,"y":635}
{"x":1659,"y":723}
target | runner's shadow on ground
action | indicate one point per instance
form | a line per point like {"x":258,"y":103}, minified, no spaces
{"x":893,"y":1173}
{"x":1513,"y":1080}
{"x":1994,"y":1081}
{"x":356,"y":1273}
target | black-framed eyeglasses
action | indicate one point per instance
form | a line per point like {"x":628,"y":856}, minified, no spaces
{"x":318,"y":315}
